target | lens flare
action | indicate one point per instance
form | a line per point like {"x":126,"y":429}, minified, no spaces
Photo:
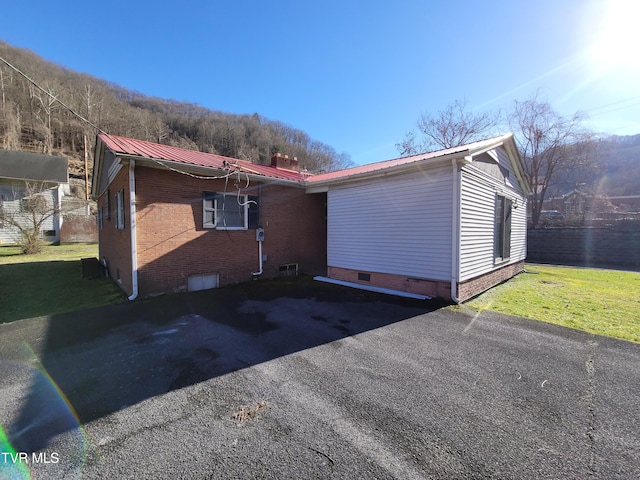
{"x":11,"y":468}
{"x":40,"y":433}
{"x":616,"y":41}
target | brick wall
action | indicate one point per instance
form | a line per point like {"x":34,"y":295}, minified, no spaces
{"x":419,"y":286}
{"x":475,"y":286}
{"x":597,"y":247}
{"x":172,"y":243}
{"x":431,"y":288}
{"x":115,"y":245}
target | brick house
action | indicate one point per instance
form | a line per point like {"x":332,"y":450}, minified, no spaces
{"x":174,"y":220}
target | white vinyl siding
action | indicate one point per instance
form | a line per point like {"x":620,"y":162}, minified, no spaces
{"x":397,"y":225}
{"x":519,"y":231}
{"x":477,"y":223}
{"x":11,"y":194}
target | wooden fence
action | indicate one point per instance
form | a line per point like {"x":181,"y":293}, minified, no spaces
{"x":591,"y":247}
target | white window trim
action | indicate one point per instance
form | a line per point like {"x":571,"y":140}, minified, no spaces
{"x":506,"y":239}
{"x":217,"y":222}
{"x":120,"y":210}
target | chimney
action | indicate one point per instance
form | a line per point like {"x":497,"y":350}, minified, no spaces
{"x":285,"y":162}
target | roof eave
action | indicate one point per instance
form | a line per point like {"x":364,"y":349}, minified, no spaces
{"x":396,"y":169}
{"x":202,"y":170}
{"x":97,"y":166}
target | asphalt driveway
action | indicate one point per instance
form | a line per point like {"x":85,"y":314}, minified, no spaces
{"x":309,"y":380}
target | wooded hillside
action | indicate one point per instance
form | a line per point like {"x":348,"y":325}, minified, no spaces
{"x":34,"y":120}
{"x":621,"y":164}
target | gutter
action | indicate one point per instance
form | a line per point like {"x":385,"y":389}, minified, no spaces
{"x":132,"y":214}
{"x":443,"y":160}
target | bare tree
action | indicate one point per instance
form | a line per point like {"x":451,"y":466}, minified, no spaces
{"x":550,"y":146}
{"x":27,"y":213}
{"x":11,"y":131}
{"x":451,"y":127}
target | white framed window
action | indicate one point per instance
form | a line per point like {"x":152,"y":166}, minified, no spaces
{"x":502,"y":236}
{"x":120,"y":210}
{"x":229,"y":211}
{"x":107,"y":207}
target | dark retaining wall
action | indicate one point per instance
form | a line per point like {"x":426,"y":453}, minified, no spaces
{"x":79,"y":229}
{"x":591,"y":247}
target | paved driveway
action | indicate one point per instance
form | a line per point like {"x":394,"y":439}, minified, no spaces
{"x":313,"y":381}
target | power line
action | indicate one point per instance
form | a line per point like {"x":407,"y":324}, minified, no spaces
{"x":619,"y":105}
{"x":55,"y":98}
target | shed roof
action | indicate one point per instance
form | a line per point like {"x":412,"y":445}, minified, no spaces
{"x":34,"y":167}
{"x":131,"y":147}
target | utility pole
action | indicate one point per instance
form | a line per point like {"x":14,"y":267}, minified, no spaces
{"x":86,"y":170}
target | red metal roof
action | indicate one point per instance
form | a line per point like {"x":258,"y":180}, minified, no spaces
{"x":396,"y":162}
{"x":130,"y":146}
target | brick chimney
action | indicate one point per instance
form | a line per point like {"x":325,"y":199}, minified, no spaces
{"x":285,"y":162}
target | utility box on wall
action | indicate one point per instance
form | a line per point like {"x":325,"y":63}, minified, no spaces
{"x":260,"y":234}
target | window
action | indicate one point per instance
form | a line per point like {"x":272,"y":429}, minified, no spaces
{"x":502,"y":238}
{"x":229,"y":211}
{"x":120,"y":210}
{"x":100,"y":218}
{"x":107,"y":208}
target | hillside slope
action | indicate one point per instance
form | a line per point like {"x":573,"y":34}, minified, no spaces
{"x":32,"y":119}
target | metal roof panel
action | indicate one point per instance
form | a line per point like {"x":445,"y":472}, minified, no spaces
{"x":132,"y":147}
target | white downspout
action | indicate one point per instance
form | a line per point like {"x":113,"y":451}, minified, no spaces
{"x":58,"y":218}
{"x":132,"y":214}
{"x":255,"y":274}
{"x":260,"y":239}
{"x":455,"y":232}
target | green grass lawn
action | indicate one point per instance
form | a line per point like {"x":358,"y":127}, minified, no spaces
{"x":50,"y":282}
{"x":605,"y":302}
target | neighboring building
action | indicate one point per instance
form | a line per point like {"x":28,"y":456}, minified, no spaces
{"x":578,"y":204}
{"x":626,"y":203}
{"x":21,"y":172}
{"x":449,"y":224}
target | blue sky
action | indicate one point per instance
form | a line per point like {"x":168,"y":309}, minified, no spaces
{"x":353,"y":74}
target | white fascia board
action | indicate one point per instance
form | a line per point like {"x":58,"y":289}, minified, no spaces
{"x":518,"y":165}
{"x":98,"y":155}
{"x":318,"y":189}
